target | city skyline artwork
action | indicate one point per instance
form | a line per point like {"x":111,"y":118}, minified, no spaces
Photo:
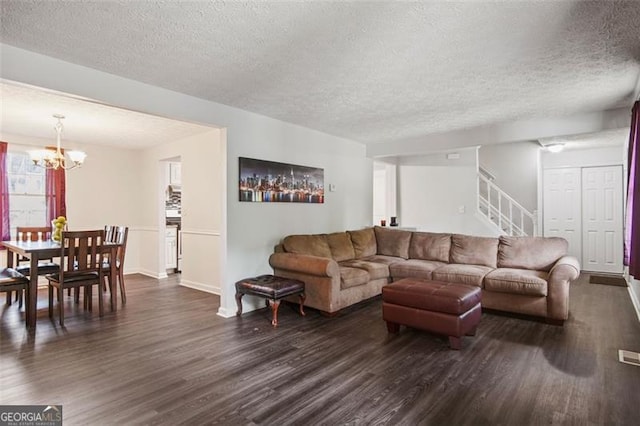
{"x":273,"y":182}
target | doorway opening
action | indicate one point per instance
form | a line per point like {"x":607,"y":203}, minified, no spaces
{"x":171,"y":209}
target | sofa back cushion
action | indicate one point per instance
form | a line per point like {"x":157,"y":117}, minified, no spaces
{"x":471,"y":250}
{"x":392,"y":242}
{"x":430,"y":246}
{"x":314,"y":245}
{"x":341,"y":246}
{"x":364,"y":242}
{"x":535,"y":253}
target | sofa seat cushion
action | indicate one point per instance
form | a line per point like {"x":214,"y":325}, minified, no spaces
{"x":414,"y":268}
{"x":517,"y":281}
{"x":387,"y":260}
{"x":352,"y":277}
{"x":463,"y":274}
{"x":376,"y":270}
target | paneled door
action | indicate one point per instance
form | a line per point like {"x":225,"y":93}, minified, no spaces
{"x":602,"y":249}
{"x":562,"y":205}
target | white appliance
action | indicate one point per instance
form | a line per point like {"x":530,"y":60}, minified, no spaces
{"x":179,"y":261}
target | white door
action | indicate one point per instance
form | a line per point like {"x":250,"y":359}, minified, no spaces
{"x":602,"y":219}
{"x":562,"y":207}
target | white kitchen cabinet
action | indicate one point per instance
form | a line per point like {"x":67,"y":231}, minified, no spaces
{"x":171,"y":244}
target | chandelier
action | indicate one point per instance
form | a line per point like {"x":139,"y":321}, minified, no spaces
{"x":54,"y":159}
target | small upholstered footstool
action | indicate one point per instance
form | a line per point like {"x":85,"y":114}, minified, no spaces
{"x":439,"y":307}
{"x":273,"y":288}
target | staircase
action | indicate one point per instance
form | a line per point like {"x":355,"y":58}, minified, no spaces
{"x":502,"y":210}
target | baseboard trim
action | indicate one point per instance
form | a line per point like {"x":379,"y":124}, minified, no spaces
{"x":635,"y":298}
{"x":200,"y":286}
{"x":225,"y":313}
{"x":188,"y":231}
{"x":147,"y":273}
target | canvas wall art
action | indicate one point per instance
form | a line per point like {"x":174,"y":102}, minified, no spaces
{"x":272,"y":182}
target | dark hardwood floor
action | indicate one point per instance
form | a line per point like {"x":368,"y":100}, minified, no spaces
{"x":166,"y":358}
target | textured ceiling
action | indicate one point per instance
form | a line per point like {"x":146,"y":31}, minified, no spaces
{"x":606,"y":138}
{"x":368,"y":71}
{"x":29,"y":111}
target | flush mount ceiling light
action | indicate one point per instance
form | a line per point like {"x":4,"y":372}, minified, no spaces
{"x":53,"y":158}
{"x":555,"y":147}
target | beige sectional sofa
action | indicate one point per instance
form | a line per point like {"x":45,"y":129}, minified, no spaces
{"x":524,"y":275}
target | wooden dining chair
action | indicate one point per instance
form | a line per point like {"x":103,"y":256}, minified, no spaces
{"x":82,"y":262}
{"x":117,"y":234}
{"x":11,"y":280}
{"x":23,"y":265}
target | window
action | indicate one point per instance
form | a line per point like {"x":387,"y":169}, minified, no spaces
{"x":27,"y":203}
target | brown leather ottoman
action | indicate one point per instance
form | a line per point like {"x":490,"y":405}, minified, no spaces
{"x":273,"y":288}
{"x":435,"y":306}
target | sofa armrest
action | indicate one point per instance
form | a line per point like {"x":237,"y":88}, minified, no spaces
{"x":565,"y":270}
{"x":312,"y":265}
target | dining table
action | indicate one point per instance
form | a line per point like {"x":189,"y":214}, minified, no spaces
{"x":46,"y":249}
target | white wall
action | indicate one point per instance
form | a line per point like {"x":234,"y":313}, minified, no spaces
{"x":251,"y":228}
{"x":515,"y":168}
{"x":606,"y":156}
{"x":203,"y":168}
{"x":439,"y":195}
{"x":634,"y":291}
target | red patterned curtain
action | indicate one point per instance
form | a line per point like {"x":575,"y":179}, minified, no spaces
{"x":632,"y":228}
{"x":5,"y":233}
{"x":55,"y":193}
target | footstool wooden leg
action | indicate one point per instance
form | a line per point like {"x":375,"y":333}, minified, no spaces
{"x":455,"y":343}
{"x":302,"y":304}
{"x":275,"y":304}
{"x":393,"y":327}
{"x":239,"y":303}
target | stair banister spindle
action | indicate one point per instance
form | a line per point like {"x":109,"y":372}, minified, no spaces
{"x":499,"y":210}
{"x":478,"y":189}
{"x":510,"y":218}
{"x":489,"y":200}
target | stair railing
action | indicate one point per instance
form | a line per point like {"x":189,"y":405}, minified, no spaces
{"x":501,"y":209}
